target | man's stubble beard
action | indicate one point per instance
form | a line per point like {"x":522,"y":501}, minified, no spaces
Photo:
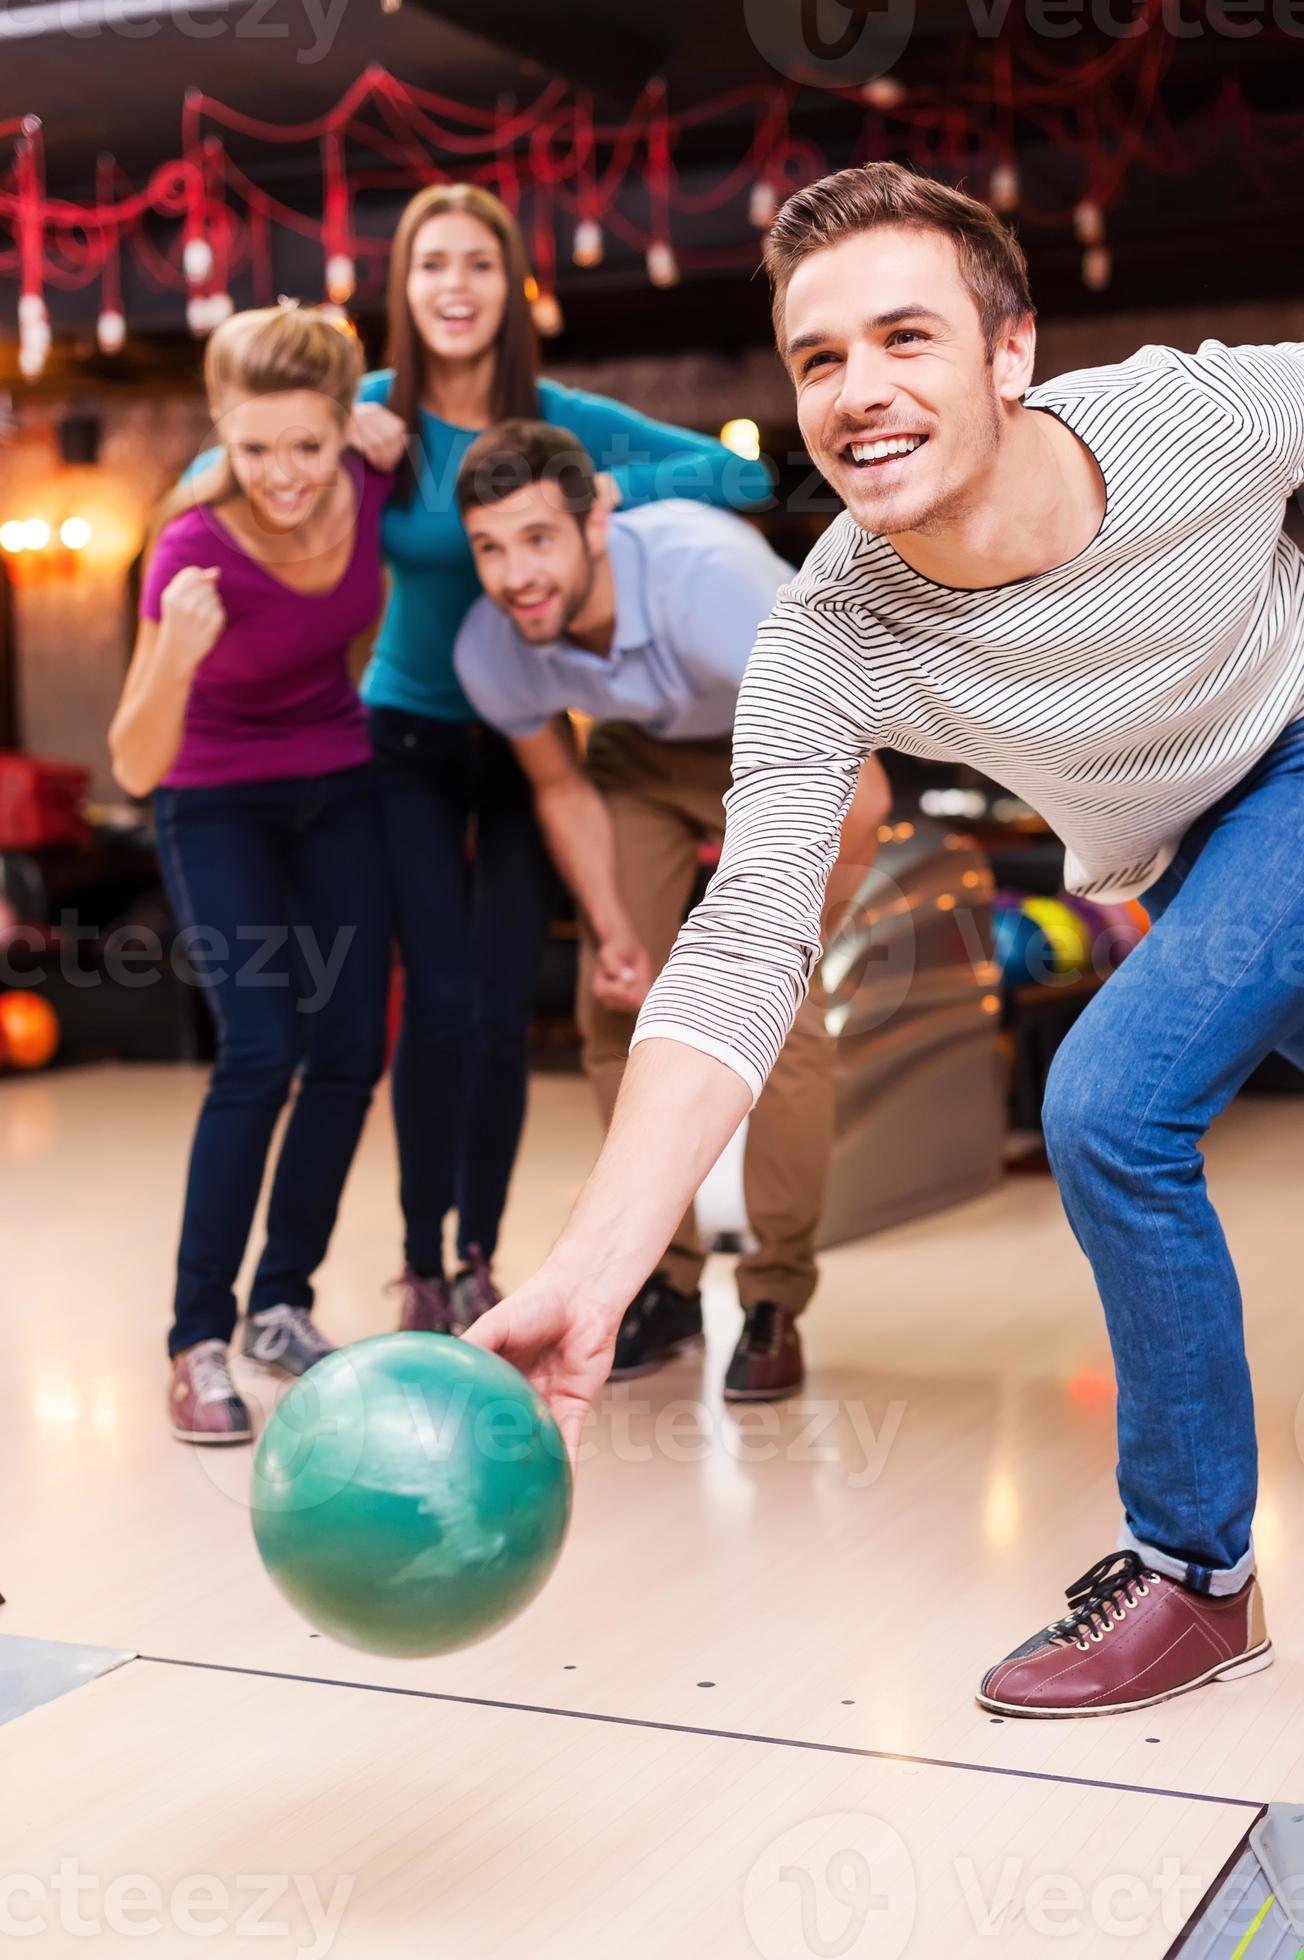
{"x":572,"y":608}
{"x":959,"y":504}
{"x":953,"y":506}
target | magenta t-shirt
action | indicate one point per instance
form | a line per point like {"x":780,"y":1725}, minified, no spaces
{"x":273,"y":698}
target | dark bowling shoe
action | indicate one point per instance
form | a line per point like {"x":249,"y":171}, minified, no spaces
{"x":658,"y":1321}
{"x":767,"y":1363}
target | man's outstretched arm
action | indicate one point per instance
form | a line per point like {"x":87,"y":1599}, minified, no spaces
{"x":676,"y":1111}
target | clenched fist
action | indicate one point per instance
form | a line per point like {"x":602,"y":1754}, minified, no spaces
{"x":622,"y":974}
{"x":379,"y":434}
{"x":193,"y":618}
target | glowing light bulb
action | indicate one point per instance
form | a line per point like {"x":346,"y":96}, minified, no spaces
{"x":197,"y":260}
{"x":1089,"y":222}
{"x":33,"y":348}
{"x":204,"y":311}
{"x":111,"y":331}
{"x":75,"y":533}
{"x":1097,"y":267}
{"x":547,"y":315}
{"x":588,"y":247}
{"x":341,"y":278}
{"x":662,"y":265}
{"x":33,"y":335}
{"x":13,"y":536}
{"x":743,"y":437}
{"x":884,"y":92}
{"x":1004,"y":190}
{"x":36,"y":534}
{"x":763,"y":205}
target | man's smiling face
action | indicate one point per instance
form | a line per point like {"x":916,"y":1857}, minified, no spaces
{"x":897,"y":400}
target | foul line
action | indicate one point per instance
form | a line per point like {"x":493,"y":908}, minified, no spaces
{"x":718,"y":1735}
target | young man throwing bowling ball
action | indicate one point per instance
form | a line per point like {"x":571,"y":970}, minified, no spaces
{"x":1082,"y":589}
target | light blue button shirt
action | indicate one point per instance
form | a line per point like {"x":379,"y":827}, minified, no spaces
{"x":692,"y":585}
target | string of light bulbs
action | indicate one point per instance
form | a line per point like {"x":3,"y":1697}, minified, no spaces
{"x":1106,"y":112}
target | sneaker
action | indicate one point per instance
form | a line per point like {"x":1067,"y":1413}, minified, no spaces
{"x":203,"y":1403}
{"x":427,"y":1308}
{"x":473,"y":1291}
{"x":767,"y":1363}
{"x":1130,"y":1638}
{"x":285,"y":1338}
{"x":658,"y":1321}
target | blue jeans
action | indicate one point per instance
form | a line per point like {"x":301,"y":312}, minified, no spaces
{"x":473,"y":891}
{"x":279,"y":889}
{"x":1216,"y":987}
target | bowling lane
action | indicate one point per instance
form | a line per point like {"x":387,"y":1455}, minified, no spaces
{"x":357,"y":1824}
{"x":840,"y":1570}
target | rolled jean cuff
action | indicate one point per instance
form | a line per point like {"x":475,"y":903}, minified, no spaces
{"x":1218,"y":1583}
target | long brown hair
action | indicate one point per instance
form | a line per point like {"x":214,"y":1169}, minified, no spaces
{"x":268,"y":350}
{"x":515,"y":390}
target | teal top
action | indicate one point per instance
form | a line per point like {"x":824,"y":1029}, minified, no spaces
{"x":433,"y":581}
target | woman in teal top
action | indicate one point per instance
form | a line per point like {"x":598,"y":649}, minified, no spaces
{"x":472,"y":885}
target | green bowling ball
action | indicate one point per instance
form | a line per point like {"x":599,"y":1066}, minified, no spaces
{"x":411,"y":1494}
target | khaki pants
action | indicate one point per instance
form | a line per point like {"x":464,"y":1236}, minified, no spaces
{"x":664,"y":799}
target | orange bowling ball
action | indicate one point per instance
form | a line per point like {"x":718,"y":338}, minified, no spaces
{"x":29,"y":1031}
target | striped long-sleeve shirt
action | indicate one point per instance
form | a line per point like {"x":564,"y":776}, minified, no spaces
{"x":1121,"y":694}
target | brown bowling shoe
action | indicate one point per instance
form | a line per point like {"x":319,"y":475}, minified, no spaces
{"x":766,"y":1363}
{"x":1129,"y":1639}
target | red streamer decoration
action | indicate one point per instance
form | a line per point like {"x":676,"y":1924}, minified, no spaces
{"x":1104,"y":112}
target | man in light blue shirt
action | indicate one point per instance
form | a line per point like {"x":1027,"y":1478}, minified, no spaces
{"x":671,"y":599}
{"x":642,"y":622}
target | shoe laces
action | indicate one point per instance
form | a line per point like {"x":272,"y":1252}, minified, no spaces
{"x":476,"y":1277}
{"x":763,"y":1329}
{"x":433,"y":1284}
{"x":425,"y":1296}
{"x":1099,"y":1600}
{"x":210,"y":1371}
{"x":298,"y":1324}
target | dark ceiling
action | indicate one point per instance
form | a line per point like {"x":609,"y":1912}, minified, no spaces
{"x":1208,"y":234}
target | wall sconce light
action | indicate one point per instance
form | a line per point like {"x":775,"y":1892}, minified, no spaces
{"x":30,"y":546}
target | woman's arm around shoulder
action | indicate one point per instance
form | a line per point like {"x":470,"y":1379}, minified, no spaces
{"x":652,"y":461}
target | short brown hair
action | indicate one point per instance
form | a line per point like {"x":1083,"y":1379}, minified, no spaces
{"x":991,"y":259}
{"x":513,"y":454}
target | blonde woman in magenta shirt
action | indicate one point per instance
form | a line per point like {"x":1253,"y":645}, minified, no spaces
{"x":239,"y":714}
{"x":473,"y":888}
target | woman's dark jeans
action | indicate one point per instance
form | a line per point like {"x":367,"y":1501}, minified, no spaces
{"x":280,"y":892}
{"x":473,"y":891}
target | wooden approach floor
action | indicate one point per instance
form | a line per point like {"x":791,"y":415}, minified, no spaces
{"x":740,"y":1720}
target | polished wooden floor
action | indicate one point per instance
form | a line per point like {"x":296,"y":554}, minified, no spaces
{"x":740,"y":1720}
